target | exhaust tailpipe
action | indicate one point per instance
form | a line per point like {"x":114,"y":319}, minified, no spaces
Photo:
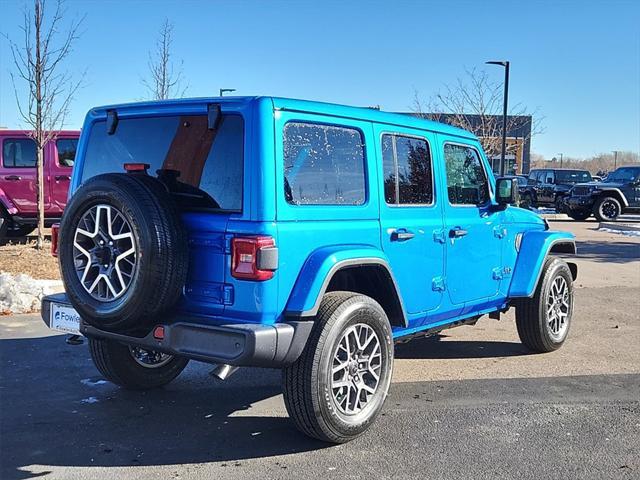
{"x":223,"y":371}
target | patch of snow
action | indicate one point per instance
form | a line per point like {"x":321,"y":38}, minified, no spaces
{"x":92,"y":383}
{"x":628,"y":233}
{"x":89,"y":400}
{"x":22,"y":294}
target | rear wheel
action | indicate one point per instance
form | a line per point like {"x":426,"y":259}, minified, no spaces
{"x":543,"y":320}
{"x":134,"y":367}
{"x":526,"y":201}
{"x":337,"y":387}
{"x":607,"y":209}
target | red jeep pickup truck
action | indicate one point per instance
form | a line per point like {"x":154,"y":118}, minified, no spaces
{"x":18,"y":192}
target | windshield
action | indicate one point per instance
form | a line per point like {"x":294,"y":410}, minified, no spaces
{"x":572,"y":176}
{"x":522,"y":181}
{"x":202,"y":168}
{"x":624,"y":175}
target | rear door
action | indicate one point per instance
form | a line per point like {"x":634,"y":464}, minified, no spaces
{"x":547,"y":189}
{"x":411,"y":216}
{"x":19,"y":179}
{"x":62,"y":154}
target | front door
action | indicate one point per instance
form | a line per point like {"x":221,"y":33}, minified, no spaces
{"x":411,"y":217}
{"x":472,"y":227}
{"x":18,"y":180}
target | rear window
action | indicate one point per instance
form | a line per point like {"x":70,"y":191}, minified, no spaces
{"x":572,"y":176}
{"x":66,"y":151}
{"x":18,"y":153}
{"x":323,"y":165}
{"x":202,"y":168}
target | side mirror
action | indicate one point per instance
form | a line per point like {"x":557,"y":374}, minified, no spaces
{"x":507,"y":191}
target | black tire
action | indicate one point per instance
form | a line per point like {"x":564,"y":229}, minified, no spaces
{"x":526,"y":201}
{"x":117,"y":364}
{"x":15,"y":231}
{"x":559,"y":205}
{"x":579,"y":215}
{"x":308,"y":395}
{"x":9,"y":229}
{"x":532,"y":318}
{"x":4,"y":223}
{"x":161,"y":262}
{"x":607,"y":209}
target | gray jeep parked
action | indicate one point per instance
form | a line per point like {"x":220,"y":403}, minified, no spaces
{"x":619,"y":193}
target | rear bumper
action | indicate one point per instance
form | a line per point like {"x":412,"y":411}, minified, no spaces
{"x":246,"y":344}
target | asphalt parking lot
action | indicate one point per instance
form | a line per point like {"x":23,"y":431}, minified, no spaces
{"x":470,"y":403}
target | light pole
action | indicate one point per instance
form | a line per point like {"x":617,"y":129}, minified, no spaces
{"x":615,"y":159}
{"x":560,"y":160}
{"x":505,"y":64}
{"x":226,"y":90}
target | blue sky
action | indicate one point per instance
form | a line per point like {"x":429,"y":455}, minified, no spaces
{"x":577,"y":63}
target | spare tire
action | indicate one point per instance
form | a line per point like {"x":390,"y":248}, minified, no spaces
{"x":123,"y":251}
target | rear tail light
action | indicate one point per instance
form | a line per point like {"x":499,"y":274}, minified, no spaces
{"x":55,"y":230}
{"x":253,"y":258}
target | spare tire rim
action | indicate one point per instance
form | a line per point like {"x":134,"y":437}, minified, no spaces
{"x":558,"y":308}
{"x":149,"y":358}
{"x":356,"y":369}
{"x":104,"y":252}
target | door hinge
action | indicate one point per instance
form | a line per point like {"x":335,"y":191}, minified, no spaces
{"x":439,"y":236}
{"x":499,"y":232}
{"x":501,"y":272}
{"x":438,"y":284}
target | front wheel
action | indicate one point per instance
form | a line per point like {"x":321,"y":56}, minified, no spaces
{"x":579,"y":215}
{"x":134,"y":368}
{"x":337,"y":387}
{"x":543,"y":320}
{"x":607,"y":209}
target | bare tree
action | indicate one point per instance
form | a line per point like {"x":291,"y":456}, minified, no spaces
{"x":38,"y":63}
{"x":475,"y":104}
{"x":597,"y":164}
{"x":165,"y":79}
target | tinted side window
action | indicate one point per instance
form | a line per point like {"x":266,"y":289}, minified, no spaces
{"x":19,"y":152}
{"x":66,"y":151}
{"x":467,"y":182}
{"x":407,"y":170}
{"x":532,"y":177}
{"x":323,"y":165}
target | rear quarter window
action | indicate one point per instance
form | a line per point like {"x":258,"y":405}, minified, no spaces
{"x":323,"y":164}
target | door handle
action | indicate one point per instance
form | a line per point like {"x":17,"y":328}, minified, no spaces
{"x":401,"y":234}
{"x":13,"y":178}
{"x":457,"y":232}
{"x":62,"y":177}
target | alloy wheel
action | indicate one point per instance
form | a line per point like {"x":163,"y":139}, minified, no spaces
{"x":104,"y":252}
{"x":149,"y":358}
{"x":356,"y":369}
{"x":558,"y":308}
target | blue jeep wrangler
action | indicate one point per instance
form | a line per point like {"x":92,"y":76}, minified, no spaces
{"x":269,"y":232}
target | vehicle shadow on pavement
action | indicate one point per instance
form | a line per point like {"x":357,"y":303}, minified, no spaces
{"x":57,"y":411}
{"x":434,"y":348}
{"x":609,"y":252}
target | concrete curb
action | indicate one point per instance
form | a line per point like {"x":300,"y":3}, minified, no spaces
{"x":625,"y":227}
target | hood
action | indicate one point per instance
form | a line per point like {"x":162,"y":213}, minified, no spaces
{"x":600,"y":184}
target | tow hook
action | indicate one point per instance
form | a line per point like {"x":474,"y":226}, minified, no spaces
{"x":74,"y":340}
